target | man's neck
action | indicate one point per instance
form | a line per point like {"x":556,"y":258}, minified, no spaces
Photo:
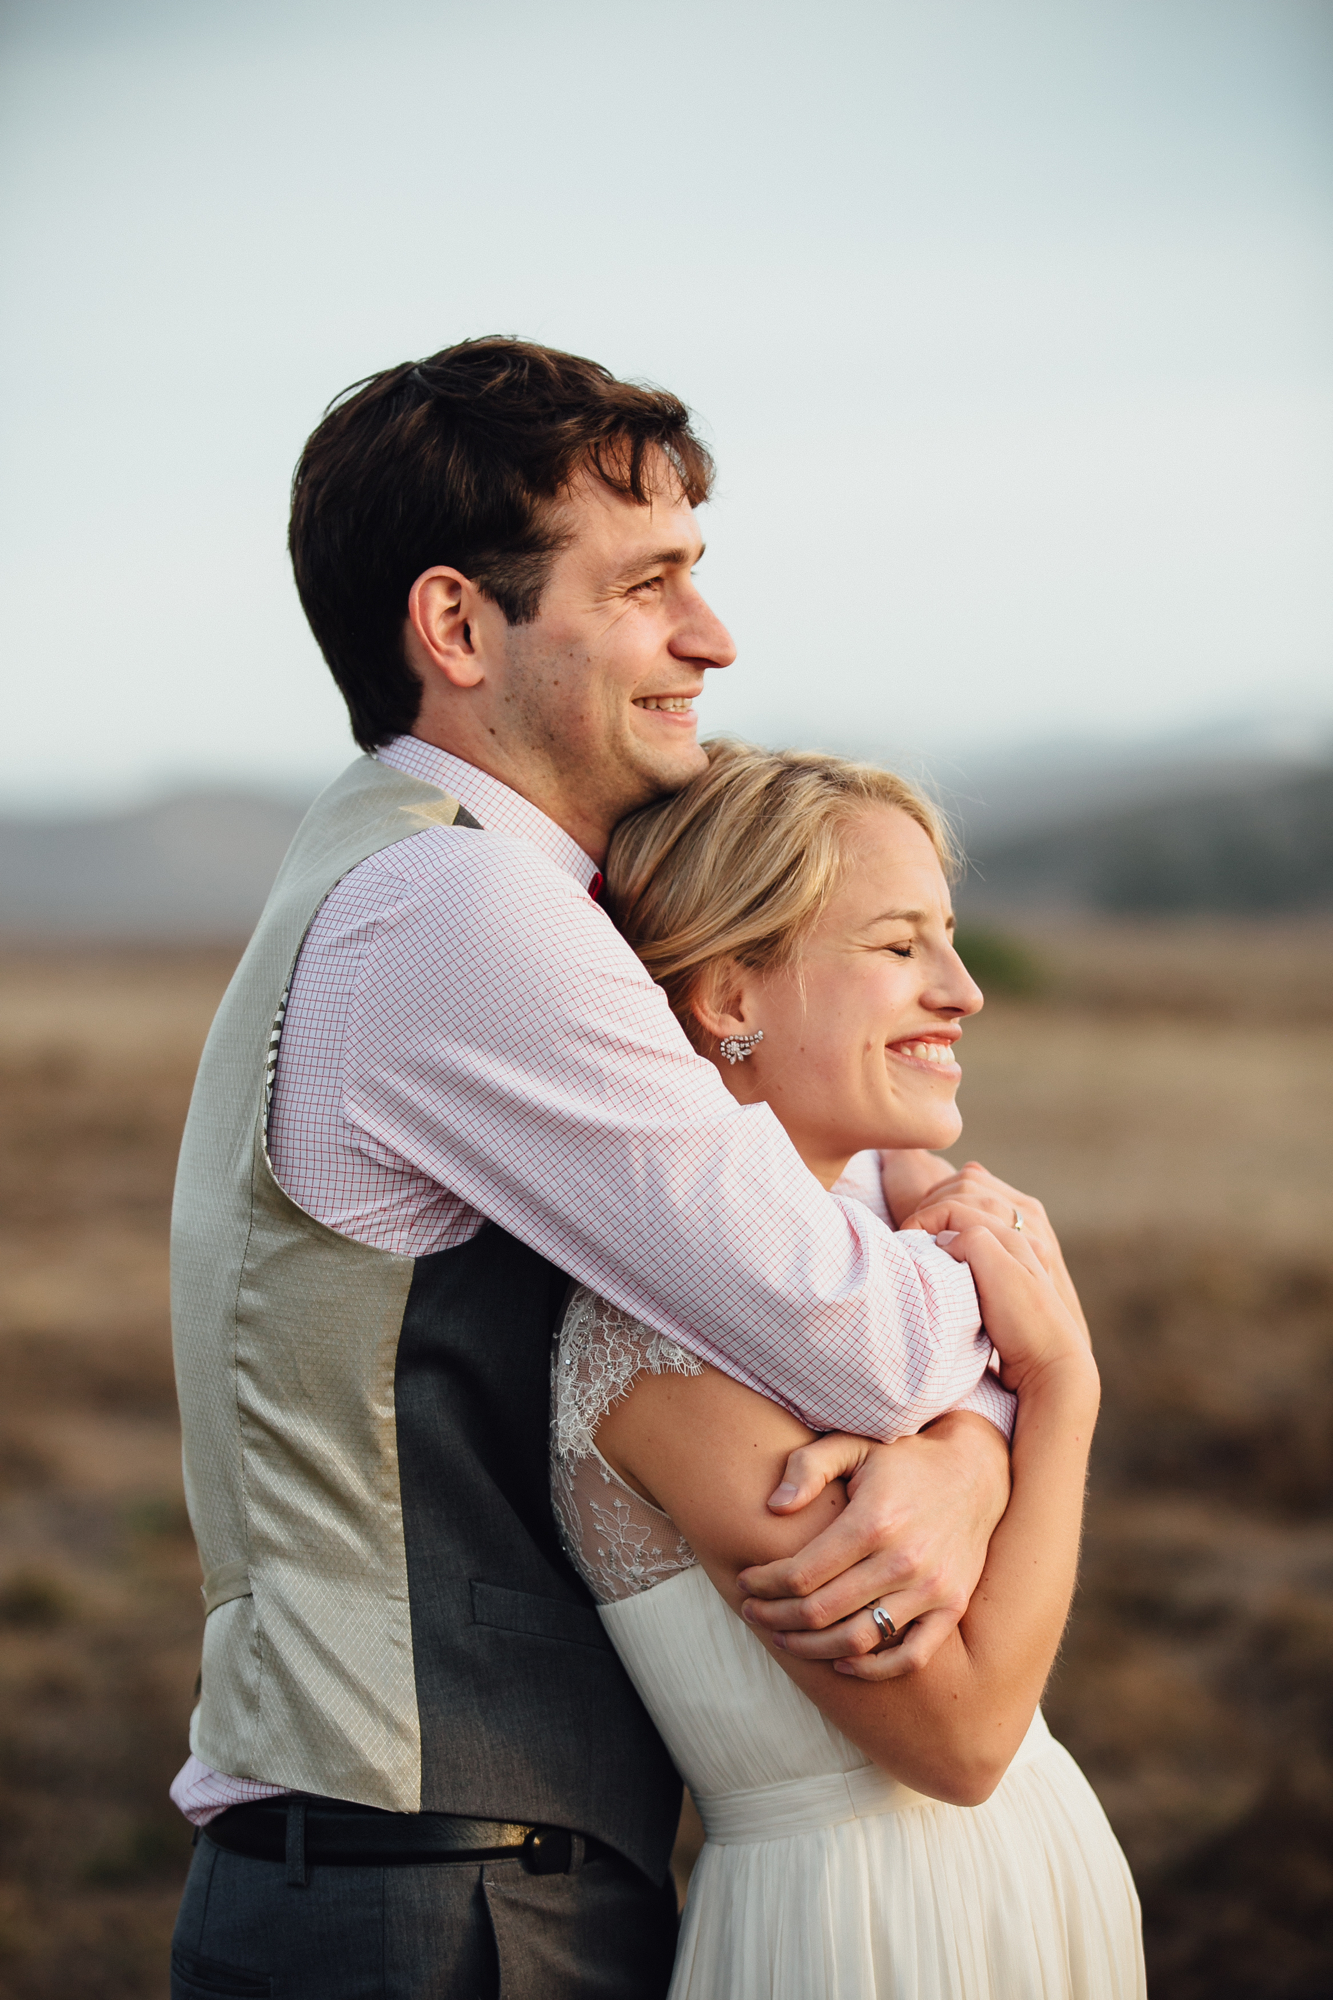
{"x":540,"y":786}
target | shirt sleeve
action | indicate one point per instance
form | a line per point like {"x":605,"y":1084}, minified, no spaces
{"x":504,"y":1040}
{"x":862,"y":1181}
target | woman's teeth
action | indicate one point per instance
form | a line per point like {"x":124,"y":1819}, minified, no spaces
{"x":931,"y":1052}
{"x":672,"y":701}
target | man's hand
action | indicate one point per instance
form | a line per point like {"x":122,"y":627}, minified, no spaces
{"x":984,"y":1197}
{"x":912,"y":1539}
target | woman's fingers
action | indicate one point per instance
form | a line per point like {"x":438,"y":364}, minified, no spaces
{"x":1000,"y":1223}
{"x":1021,"y":1308}
{"x":814,"y":1466}
{"x":910,"y":1178}
{"x":977,"y":1189}
{"x":983,"y":1189}
{"x":957,"y":1216}
{"x":964,"y":1235}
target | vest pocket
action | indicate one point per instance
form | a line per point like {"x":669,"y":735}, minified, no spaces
{"x":225,"y":1584}
{"x":223,"y":1731}
{"x":537,"y":1617}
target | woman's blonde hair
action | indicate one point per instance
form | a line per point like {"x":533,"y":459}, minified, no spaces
{"x":740,"y":864}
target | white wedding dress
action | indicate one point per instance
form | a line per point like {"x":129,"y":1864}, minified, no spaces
{"x":822,"y":1878}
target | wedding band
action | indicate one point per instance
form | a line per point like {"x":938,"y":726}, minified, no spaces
{"x":887,"y":1628}
{"x":1018,"y":1219}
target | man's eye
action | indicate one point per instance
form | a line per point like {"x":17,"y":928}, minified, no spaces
{"x":648,"y":583}
{"x":902,"y":950}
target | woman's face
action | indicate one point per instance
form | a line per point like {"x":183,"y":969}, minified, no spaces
{"x":860,"y":1032}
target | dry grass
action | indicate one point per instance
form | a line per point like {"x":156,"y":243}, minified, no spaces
{"x":1161,"y":1099}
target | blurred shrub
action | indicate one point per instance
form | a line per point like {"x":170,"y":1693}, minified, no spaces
{"x":1194,"y":1684}
{"x":150,"y":1849}
{"x":32,"y":1598}
{"x":1217,"y":1367}
{"x":998,"y":963}
{"x":156,"y":1515}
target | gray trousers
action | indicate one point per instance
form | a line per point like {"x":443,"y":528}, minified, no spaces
{"x":439,"y":1931}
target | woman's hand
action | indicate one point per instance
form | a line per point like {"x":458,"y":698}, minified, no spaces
{"x":977,"y":1190}
{"x":909,"y":1179}
{"x":1029,"y":1323}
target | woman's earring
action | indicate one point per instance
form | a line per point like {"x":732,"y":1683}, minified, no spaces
{"x":737,"y":1047}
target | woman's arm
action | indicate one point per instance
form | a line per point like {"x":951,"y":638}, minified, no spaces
{"x":709,"y":1451}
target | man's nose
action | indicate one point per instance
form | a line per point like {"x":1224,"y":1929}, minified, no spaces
{"x":702,"y":636}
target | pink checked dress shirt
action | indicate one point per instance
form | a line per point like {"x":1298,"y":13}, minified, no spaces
{"x":468,"y":1038}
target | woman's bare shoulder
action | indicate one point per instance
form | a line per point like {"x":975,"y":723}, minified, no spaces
{"x":709,"y":1451}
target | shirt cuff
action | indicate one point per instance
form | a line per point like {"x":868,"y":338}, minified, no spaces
{"x":990,"y":1399}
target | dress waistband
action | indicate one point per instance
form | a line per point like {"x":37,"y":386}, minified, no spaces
{"x":808,"y":1805}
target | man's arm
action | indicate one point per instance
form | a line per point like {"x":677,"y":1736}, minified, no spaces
{"x":918,"y":1523}
{"x":506,"y":1045}
{"x":506,"y":1055}
{"x":916,"y":1529}
{"x":912,"y":1533}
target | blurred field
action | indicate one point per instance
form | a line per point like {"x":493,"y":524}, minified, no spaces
{"x":1168,"y":1092}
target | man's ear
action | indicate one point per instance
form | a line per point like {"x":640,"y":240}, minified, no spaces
{"x":440,"y":636}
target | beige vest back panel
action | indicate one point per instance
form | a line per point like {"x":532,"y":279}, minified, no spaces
{"x":285,"y":1339}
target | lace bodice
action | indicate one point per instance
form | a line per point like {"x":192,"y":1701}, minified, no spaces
{"x":619,"y":1543}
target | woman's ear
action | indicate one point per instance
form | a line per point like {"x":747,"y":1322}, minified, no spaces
{"x":721,"y":1003}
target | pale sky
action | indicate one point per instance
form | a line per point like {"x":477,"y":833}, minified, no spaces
{"x":1011,"y":325}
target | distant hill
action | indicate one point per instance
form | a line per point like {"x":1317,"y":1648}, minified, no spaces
{"x":196,"y":866}
{"x":1257,"y":846}
{"x":199,"y":866}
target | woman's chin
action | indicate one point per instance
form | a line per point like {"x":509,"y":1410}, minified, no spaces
{"x":927,"y":1135}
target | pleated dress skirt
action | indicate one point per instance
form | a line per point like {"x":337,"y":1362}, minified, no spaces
{"x":822,"y":1878}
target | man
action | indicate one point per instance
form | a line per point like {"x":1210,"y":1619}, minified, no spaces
{"x":439,"y":1087}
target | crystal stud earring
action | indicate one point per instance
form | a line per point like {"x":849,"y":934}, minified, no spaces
{"x":737,"y":1047}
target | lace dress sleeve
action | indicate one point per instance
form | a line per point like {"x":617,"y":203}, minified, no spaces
{"x":617,"y":1542}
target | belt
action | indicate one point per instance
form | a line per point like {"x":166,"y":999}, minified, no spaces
{"x":305,"y":1833}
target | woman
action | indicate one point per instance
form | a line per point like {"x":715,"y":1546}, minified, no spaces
{"x":919,"y":1835}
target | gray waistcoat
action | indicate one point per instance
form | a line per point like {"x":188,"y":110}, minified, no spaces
{"x":390,"y":1618}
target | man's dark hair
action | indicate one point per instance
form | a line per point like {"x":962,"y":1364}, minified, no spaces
{"x":457,"y":460}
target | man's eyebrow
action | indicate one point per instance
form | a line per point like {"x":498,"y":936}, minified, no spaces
{"x":678,"y":558}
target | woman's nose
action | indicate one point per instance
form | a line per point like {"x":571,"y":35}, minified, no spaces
{"x":959,"y":993}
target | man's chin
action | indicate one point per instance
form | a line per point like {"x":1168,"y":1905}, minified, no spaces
{"x":666,"y":770}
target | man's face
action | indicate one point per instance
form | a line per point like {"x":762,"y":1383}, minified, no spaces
{"x":598,"y":691}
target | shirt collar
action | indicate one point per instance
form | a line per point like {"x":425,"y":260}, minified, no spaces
{"x":495,"y":806}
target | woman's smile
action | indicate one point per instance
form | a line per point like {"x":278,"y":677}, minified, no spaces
{"x":931,"y":1052}
{"x":860,"y":1028}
